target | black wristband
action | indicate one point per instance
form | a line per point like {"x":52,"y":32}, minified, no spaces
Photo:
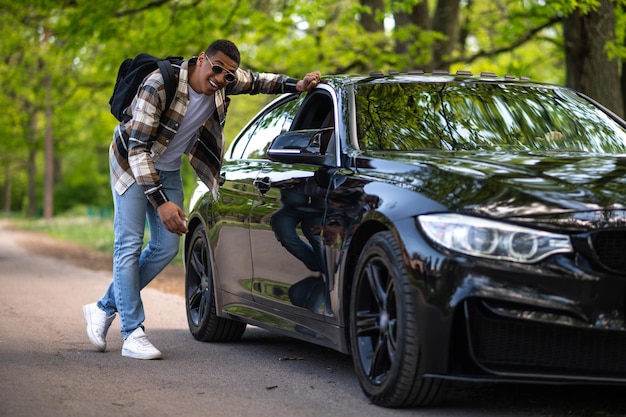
{"x":290,"y":85}
{"x":157,"y":197}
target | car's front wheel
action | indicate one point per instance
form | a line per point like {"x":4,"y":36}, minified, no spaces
{"x":204,"y":323}
{"x":384,"y":336}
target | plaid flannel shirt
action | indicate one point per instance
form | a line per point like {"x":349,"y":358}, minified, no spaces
{"x":138,"y":143}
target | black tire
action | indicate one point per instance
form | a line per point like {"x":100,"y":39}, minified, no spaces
{"x":386,"y":347}
{"x":204,"y":323}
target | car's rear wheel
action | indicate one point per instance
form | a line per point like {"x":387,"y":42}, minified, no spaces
{"x":384,"y":335}
{"x":204,"y":323}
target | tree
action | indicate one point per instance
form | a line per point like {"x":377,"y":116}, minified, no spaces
{"x":18,"y":69}
{"x":589,"y":67}
{"x":466,"y":32}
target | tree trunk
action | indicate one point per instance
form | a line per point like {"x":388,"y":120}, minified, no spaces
{"x":31,"y":133}
{"x":48,"y":200}
{"x":418,"y":17}
{"x":7,"y":189}
{"x":368,"y":20}
{"x":588,"y":68}
{"x":32,"y":183}
{"x":445,"y":21}
{"x":623,"y":85}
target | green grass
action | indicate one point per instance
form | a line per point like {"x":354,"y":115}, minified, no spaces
{"x":93,"y":233}
{"x":82,"y":226}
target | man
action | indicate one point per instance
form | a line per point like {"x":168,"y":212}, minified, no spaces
{"x":145,"y":159}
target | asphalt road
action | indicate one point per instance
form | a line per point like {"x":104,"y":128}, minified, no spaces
{"x":49,"y":368}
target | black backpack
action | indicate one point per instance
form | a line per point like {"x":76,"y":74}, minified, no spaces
{"x":131,"y":74}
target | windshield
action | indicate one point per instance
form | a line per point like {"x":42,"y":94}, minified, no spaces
{"x":482,"y":116}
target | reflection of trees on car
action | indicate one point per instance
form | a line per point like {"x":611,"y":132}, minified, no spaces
{"x":447,"y":116}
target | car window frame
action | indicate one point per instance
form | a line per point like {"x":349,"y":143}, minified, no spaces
{"x":237,"y":149}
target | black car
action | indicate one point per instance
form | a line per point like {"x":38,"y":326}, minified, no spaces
{"x":436,"y":227}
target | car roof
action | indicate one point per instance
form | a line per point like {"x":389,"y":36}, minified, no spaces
{"x":419,"y":76}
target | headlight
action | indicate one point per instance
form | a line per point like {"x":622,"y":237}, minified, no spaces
{"x":492,"y":239}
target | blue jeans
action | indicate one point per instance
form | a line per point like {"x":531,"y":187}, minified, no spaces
{"x":134,"y":268}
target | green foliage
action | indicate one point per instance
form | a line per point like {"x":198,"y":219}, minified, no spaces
{"x":79,"y":45}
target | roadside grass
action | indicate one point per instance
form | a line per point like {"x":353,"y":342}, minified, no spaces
{"x":86,"y":227}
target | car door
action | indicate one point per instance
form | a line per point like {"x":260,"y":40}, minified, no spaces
{"x":286,"y":223}
{"x":243,"y":161}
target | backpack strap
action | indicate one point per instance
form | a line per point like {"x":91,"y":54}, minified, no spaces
{"x":165,"y":66}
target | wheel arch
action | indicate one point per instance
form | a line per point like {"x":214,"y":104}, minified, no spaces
{"x":194,"y":221}
{"x":405,"y":237}
{"x":412,"y":384}
{"x":377,"y":223}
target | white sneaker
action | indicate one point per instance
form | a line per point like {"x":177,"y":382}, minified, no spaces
{"x":138,"y":346}
{"x":97,"y":325}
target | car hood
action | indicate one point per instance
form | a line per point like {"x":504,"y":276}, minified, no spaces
{"x":568,"y":189}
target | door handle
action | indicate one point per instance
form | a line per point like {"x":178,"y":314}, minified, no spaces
{"x":263,"y":184}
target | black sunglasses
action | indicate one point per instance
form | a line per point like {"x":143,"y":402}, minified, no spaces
{"x":229,"y":76}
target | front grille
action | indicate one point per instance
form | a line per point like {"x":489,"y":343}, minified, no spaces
{"x":506,"y":345}
{"x":610,"y":249}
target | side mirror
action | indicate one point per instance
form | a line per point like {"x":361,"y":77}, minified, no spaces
{"x":301,"y":146}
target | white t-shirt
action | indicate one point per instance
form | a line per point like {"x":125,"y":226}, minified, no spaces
{"x":200,"y":108}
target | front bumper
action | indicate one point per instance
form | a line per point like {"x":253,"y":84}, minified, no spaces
{"x":514,"y":341}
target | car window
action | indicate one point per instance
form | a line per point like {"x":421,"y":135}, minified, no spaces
{"x":253,"y":142}
{"x":317,"y":113}
{"x":482,"y":116}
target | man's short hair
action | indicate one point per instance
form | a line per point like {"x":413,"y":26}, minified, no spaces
{"x":225,"y":46}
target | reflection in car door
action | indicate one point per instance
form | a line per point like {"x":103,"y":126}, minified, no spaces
{"x":229,"y":235}
{"x":286,"y":226}
{"x":238,"y":194}
{"x":285,"y":233}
